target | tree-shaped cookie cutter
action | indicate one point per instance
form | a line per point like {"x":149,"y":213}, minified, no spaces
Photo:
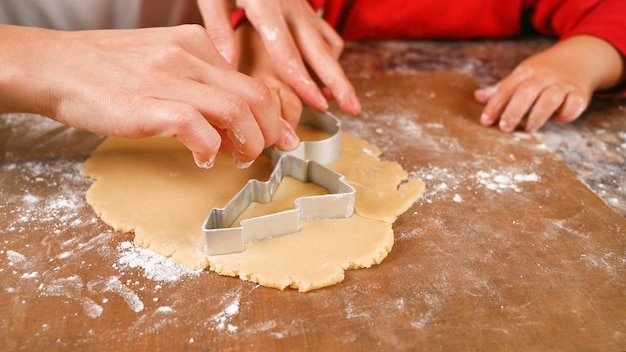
{"x":305,"y":164}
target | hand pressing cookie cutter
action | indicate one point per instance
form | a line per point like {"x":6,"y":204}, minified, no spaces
{"x":304,"y":164}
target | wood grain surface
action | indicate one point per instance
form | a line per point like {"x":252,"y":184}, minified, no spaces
{"x":507,"y":250}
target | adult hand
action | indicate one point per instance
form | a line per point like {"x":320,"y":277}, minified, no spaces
{"x":139,"y":83}
{"x":557,"y":82}
{"x":295,"y":37}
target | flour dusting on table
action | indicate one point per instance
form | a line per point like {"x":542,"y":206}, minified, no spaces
{"x":154,"y":266}
{"x":446,"y":182}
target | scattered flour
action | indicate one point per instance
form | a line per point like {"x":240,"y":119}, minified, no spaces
{"x":607,"y":261}
{"x":622,"y":137}
{"x":446,"y":182}
{"x":113,"y":284}
{"x":499,"y":180}
{"x":165,"y":310}
{"x":60,"y":209}
{"x":155,"y":266}
{"x":46,"y":279}
{"x":16,"y":259}
{"x":72,"y":288}
{"x":222,"y":320}
{"x":29,"y":275}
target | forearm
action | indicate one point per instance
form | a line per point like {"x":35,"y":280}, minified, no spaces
{"x":22,"y":56}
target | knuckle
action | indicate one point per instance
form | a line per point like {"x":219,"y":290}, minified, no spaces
{"x":256,"y":146}
{"x":236,"y":110}
{"x":337,"y":44}
{"x":539,"y":112}
{"x":191,"y":30}
{"x":171,"y":51}
{"x":494,"y":106}
{"x":552,"y":96}
{"x":575,"y":104}
{"x":260,"y":93}
{"x":577,"y":98}
{"x":256,"y":95}
{"x":526,"y":88}
{"x":174,"y":47}
{"x":179,"y":119}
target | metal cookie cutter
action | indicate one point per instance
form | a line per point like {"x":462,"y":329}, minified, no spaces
{"x":304,"y":164}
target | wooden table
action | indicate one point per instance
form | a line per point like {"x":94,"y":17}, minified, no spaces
{"x":508,"y":248}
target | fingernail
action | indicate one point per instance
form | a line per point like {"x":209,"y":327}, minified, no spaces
{"x":489,"y":91}
{"x":485,"y":119}
{"x":242,"y":164}
{"x":322,"y":102}
{"x":290,"y":139}
{"x":504,"y":126}
{"x":226,"y":54}
{"x":355,"y":103}
{"x":205,"y":164}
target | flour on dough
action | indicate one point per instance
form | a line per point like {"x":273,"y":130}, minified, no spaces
{"x":153,"y":188}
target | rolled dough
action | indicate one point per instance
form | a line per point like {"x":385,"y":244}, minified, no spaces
{"x":153,"y":188}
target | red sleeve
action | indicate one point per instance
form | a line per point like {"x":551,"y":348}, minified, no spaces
{"x":317,"y":4}
{"x":237,"y":18}
{"x":605,"y":19}
{"x":429,"y":19}
{"x":332,"y":9}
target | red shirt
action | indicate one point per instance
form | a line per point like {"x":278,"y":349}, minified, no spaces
{"x":462,"y":19}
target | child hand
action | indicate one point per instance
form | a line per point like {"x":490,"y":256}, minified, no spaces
{"x":537,"y":89}
{"x":557,"y":82}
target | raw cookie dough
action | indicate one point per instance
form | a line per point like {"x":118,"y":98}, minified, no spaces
{"x":153,"y":188}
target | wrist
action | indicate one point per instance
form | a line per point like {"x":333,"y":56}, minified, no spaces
{"x":23,"y":77}
{"x":603,"y":62}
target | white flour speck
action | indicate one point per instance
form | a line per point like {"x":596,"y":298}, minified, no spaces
{"x":155,"y":266}
{"x":72,"y":288}
{"x":29,"y":275}
{"x":30,"y":199}
{"x":433,"y":125}
{"x":65,"y":255}
{"x":368,"y":152}
{"x":232,"y":309}
{"x":270,"y":33}
{"x":440,"y":182}
{"x":165,"y":310}
{"x":499,"y":180}
{"x":442,"y":187}
{"x":114,"y":285}
{"x":222,"y":319}
{"x":526,"y":178}
{"x":16,"y":258}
